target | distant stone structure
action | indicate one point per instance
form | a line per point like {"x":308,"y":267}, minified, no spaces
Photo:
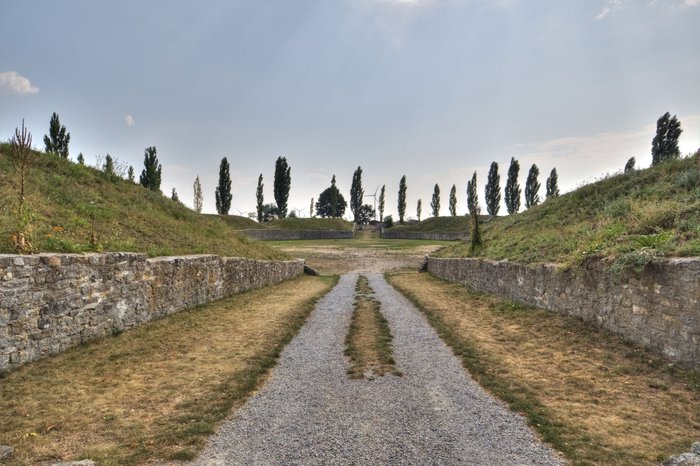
{"x":658,"y":308}
{"x":285,"y":235}
{"x":51,"y":302}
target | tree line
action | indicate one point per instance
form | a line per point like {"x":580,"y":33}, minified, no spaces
{"x":331,"y":203}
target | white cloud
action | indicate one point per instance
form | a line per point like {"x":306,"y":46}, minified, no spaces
{"x":608,"y":9}
{"x":16,"y":83}
{"x":691,"y":2}
{"x":129,"y":119}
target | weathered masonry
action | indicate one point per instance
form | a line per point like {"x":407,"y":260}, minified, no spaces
{"x":51,"y":302}
{"x":658,"y":308}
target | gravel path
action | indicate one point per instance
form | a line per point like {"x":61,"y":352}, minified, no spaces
{"x":310,"y":412}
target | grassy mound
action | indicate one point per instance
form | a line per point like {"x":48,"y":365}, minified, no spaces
{"x":70,"y":203}
{"x":631,"y":219}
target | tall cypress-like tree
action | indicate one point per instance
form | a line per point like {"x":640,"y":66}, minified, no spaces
{"x":472,"y":195}
{"x":198,"y":196}
{"x":664,"y":146}
{"x":493,"y":190}
{"x":174,"y":196}
{"x":260,"y":198}
{"x":334,"y":196}
{"x":130,"y":174}
{"x":56,"y":142}
{"x":553,"y":184}
{"x":419,"y":208}
{"x":629,"y":166}
{"x":152,"y":170}
{"x":453,"y":201}
{"x":435,"y":203}
{"x":356,"y":194}
{"x":81,"y":159}
{"x":402,"y":199}
{"x":381,"y":203}
{"x":223,"y":189}
{"x":512,"y":190}
{"x":532,"y":187}
{"x":282,"y":183}
{"x":108,"y":167}
{"x":311,"y":209}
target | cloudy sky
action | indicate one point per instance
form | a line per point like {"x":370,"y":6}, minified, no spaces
{"x":433,"y":89}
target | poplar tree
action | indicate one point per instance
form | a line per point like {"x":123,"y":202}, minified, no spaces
{"x":334,"y":195}
{"x":472,"y":195}
{"x":493,"y":190}
{"x":356,"y":194}
{"x":453,"y":201}
{"x":108,"y":167}
{"x":553,"y":184}
{"x":664,"y":146}
{"x":381,"y":204}
{"x":81,"y":159}
{"x":259,"y":198}
{"x":198,"y":196}
{"x":532,"y":187}
{"x":174,"y":196}
{"x":223,"y":194}
{"x":152,"y":170}
{"x":512,"y":190}
{"x":435,"y":203}
{"x":281,"y":185}
{"x":629,"y":166}
{"x":311,"y":209}
{"x":130,"y":174}
{"x":402,"y":199}
{"x":419,"y":208}
{"x":56,"y":142}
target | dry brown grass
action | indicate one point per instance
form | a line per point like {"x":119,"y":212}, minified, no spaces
{"x":155,"y":392}
{"x":368,"y":343}
{"x":595,"y":397}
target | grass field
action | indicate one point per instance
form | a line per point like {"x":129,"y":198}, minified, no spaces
{"x":437,"y":224}
{"x":594,"y":397}
{"x":71,"y":202}
{"x":157,"y":392}
{"x":368,"y":341}
{"x":289,"y":223}
{"x":630,"y":219}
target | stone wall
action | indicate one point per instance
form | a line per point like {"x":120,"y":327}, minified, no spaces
{"x":658,"y":308}
{"x":423,"y":235}
{"x":284,"y":235}
{"x":51,"y":302}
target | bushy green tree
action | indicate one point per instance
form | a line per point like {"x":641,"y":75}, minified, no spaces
{"x":402,"y":199}
{"x":198,"y":196}
{"x":356,"y":194}
{"x":282,"y":184}
{"x":553,"y":184}
{"x":366,"y":214}
{"x":629,"y":166}
{"x":174,"y":196}
{"x":512,"y":190}
{"x":223,"y":194}
{"x":435,"y":202}
{"x":269,"y":212}
{"x":419,"y":208}
{"x":664,"y":146}
{"x":472,"y":195}
{"x":324,"y":205}
{"x":108,"y":167}
{"x":152,"y":170}
{"x":381,"y":203}
{"x":453,"y":201}
{"x":532,"y":187}
{"x":493,"y":190}
{"x":260,"y":198}
{"x":81,"y":159}
{"x":56,"y":142}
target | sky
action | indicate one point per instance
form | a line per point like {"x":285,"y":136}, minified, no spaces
{"x":431,"y":89}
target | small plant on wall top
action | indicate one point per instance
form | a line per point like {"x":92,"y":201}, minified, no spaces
{"x":23,"y":158}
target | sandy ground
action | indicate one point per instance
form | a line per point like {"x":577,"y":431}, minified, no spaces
{"x":334,"y":260}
